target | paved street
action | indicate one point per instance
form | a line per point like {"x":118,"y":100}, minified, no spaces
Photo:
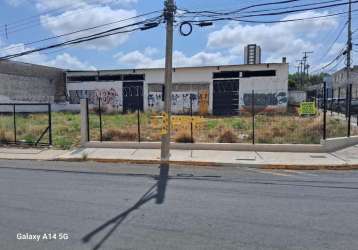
{"x":206,"y":208}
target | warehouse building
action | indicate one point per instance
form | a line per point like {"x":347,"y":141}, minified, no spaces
{"x":340,"y":77}
{"x":218,"y":90}
{"x":25,"y":82}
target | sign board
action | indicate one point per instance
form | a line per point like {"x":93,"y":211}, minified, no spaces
{"x":307,"y":108}
{"x":177,"y":122}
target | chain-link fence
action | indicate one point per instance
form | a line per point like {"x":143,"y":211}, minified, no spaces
{"x":264,"y":117}
{"x":25,"y":124}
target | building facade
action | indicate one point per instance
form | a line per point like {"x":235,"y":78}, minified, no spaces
{"x":218,"y":90}
{"x":339,"y":78}
{"x":252,"y":54}
{"x":24,"y":82}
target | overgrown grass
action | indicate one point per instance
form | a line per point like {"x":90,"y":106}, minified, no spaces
{"x":269,"y":128}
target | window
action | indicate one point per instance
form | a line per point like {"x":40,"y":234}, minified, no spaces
{"x":82,"y":78}
{"x":226,"y":74}
{"x":260,"y":73}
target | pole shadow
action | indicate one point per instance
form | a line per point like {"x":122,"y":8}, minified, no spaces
{"x":157,"y":191}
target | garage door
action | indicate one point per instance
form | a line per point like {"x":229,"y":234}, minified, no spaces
{"x":132,"y":96}
{"x":226,"y":97}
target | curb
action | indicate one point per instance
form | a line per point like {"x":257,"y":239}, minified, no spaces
{"x":264,"y":166}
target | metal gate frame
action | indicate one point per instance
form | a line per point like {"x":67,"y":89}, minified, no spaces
{"x":232,"y":108}
{"x":48,"y":129}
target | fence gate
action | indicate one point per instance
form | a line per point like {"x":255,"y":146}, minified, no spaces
{"x":132,"y":96}
{"x":25,"y":124}
{"x":226,"y":97}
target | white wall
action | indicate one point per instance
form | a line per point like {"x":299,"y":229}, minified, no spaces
{"x":276,"y":85}
{"x":295,"y":97}
{"x":109,"y":92}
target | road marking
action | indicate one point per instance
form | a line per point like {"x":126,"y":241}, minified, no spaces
{"x":298,"y":172}
{"x":270,"y":172}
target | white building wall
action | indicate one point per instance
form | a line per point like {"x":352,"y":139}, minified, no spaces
{"x":109,"y":92}
{"x":277,"y":85}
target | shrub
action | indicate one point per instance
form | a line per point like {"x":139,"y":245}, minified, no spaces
{"x":119,"y":135}
{"x":64,"y":142}
{"x":4,"y":137}
{"x":227,"y":136}
{"x":96,"y":109}
{"x":212,"y":124}
{"x":238,"y":124}
{"x":184,"y":137}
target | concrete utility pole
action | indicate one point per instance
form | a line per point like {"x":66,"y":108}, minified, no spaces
{"x":169,"y":11}
{"x":305,"y":60}
{"x":349,"y":43}
{"x":301,"y":72}
{"x":169,"y":17}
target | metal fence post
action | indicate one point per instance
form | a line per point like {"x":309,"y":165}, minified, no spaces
{"x":324,"y":110}
{"x":49,"y":125}
{"x":138,"y":113}
{"x":100,"y":120}
{"x":347,"y":101}
{"x":349,"y":110}
{"x":14,"y":121}
{"x":191,"y":119}
{"x":253,"y":115}
{"x":332,"y":98}
{"x":87,"y":120}
{"x":338,"y":100}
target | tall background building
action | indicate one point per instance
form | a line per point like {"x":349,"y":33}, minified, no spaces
{"x":252,"y":54}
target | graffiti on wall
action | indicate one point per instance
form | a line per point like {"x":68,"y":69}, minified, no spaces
{"x":109,"y":97}
{"x":180,"y":102}
{"x":265,"y":100}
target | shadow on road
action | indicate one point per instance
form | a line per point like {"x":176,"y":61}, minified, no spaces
{"x":159,"y":195}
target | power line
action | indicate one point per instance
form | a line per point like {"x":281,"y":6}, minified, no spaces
{"x":27,"y":23}
{"x":242,"y":9}
{"x":147,"y":24}
{"x":334,"y":41}
{"x":241,"y":18}
{"x":268,"y":22}
{"x":340,"y":54}
{"x":334,"y":67}
{"x":281,"y":12}
{"x":81,"y":30}
{"x":274,"y":9}
{"x":26,"y":20}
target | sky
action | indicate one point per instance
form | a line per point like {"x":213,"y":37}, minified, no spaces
{"x":220,"y":44}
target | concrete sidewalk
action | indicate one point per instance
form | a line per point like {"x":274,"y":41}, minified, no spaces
{"x":343,"y":159}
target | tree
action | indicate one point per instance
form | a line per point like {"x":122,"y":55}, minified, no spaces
{"x":294,"y":80}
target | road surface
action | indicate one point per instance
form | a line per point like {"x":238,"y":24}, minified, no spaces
{"x":206,"y":208}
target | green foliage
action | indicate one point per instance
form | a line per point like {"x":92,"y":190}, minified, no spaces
{"x":294,"y":80}
{"x":269,"y":128}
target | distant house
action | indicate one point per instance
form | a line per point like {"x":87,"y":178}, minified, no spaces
{"x":339,"y":78}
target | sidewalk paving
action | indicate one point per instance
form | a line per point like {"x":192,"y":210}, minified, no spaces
{"x":343,"y":159}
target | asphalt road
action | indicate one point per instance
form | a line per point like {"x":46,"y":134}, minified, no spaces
{"x":203,"y":208}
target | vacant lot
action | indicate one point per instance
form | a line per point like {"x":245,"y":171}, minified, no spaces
{"x":269,"y":128}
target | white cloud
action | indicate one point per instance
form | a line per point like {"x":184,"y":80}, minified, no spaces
{"x":86,"y":17}
{"x":276,"y":40}
{"x":150,"y":51}
{"x":336,"y":48}
{"x":16,"y":3}
{"x":141,"y":60}
{"x":65,"y":60}
{"x":45,"y":5}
